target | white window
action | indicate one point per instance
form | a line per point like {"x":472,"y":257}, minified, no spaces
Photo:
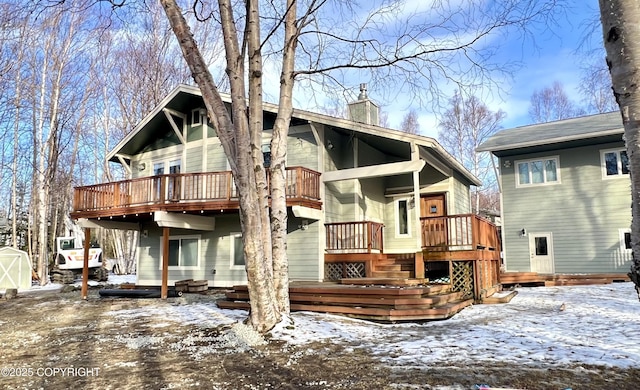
{"x":625,"y":240}
{"x":538,"y":172}
{"x":184,"y":252}
{"x":403,"y":222}
{"x":236,"y":251}
{"x":615,"y":163}
{"x":198,"y":117}
{"x":266,"y":155}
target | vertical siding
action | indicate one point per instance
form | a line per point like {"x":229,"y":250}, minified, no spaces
{"x":583,"y":212}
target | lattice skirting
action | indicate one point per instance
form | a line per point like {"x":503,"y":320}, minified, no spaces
{"x":462,"y":277}
{"x":343,"y":270}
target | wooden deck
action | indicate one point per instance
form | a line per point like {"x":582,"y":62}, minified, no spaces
{"x":199,"y":193}
{"x":410,"y":301}
{"x":536,"y":279}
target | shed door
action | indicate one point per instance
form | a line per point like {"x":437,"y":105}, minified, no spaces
{"x":433,"y":206}
{"x":541,"y":253}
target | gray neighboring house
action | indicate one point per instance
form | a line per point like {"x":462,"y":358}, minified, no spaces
{"x":565,"y":194}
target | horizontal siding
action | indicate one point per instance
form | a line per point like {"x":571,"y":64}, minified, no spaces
{"x":461,"y":195}
{"x":216,"y":159}
{"x":302,"y":150}
{"x":215,"y":253}
{"x":303,"y":249}
{"x":583,"y":212}
{"x":392,"y":243}
{"x":193,"y":159}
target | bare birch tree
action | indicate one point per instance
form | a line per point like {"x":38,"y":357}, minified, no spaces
{"x":595,"y":87}
{"x":410,"y":123}
{"x":551,"y":104}
{"x":464,"y":126}
{"x":621,"y":33}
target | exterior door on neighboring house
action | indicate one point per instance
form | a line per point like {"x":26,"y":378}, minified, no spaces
{"x":541,"y":253}
{"x":434,"y":205}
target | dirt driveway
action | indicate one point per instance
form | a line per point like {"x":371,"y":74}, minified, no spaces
{"x":55,"y":340}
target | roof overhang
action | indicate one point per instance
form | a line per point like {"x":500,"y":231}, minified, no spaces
{"x":184,"y":97}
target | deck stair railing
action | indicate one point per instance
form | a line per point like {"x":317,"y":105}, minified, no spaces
{"x":459,"y":232}
{"x":470,"y":245}
{"x":354,"y":237}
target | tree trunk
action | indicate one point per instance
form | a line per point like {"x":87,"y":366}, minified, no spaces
{"x":278,"y":162}
{"x":237,"y":143}
{"x":621,"y":32}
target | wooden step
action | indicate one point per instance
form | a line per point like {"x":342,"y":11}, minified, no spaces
{"x":228,"y":304}
{"x":575,"y":282}
{"x":389,"y":315}
{"x":402,"y":282}
{"x":425,"y":302}
{"x":391,"y":274}
{"x":388,"y":267}
{"x":500,"y":297}
{"x":373,"y":302}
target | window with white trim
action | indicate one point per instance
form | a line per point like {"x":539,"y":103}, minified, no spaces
{"x":236,"y":251}
{"x":537,"y":172}
{"x":615,"y":163}
{"x":403,"y":222}
{"x":183,"y":252}
{"x":625,"y":240}
{"x":198,"y":116}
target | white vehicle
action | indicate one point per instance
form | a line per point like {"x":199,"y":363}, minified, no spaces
{"x":69,"y":262}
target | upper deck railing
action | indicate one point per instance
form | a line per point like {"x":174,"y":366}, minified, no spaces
{"x":302,"y":183}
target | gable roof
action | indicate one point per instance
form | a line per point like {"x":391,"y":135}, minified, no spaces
{"x":598,"y":128}
{"x":185,"y":97}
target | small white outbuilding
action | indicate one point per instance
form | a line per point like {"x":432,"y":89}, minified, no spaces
{"x":15,"y":269}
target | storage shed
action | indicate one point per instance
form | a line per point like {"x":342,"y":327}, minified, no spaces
{"x":15,"y":269}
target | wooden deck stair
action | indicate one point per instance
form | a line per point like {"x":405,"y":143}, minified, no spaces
{"x":386,"y":303}
{"x":536,"y":279}
{"x":391,"y":267}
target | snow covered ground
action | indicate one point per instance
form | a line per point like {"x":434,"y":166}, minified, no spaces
{"x":558,"y":326}
{"x":591,"y":325}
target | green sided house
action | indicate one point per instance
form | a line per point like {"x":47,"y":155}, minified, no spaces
{"x":358,"y":195}
{"x":566,"y":200}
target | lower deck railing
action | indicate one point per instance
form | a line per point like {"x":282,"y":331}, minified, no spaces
{"x":459,"y":232}
{"x":354,"y":237}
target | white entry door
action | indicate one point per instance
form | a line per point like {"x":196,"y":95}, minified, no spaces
{"x":541,"y":253}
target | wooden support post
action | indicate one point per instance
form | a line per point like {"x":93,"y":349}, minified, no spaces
{"x":165,"y":263}
{"x":85,"y":266}
{"x":419,"y":265}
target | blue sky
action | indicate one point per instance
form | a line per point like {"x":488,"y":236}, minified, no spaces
{"x":556,"y":58}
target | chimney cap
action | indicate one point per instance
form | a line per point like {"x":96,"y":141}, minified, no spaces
{"x":363,"y":92}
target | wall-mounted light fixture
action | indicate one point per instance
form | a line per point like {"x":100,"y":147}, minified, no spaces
{"x":507,"y":163}
{"x":142,"y":167}
{"x":329,"y":145}
{"x":523,"y":232}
